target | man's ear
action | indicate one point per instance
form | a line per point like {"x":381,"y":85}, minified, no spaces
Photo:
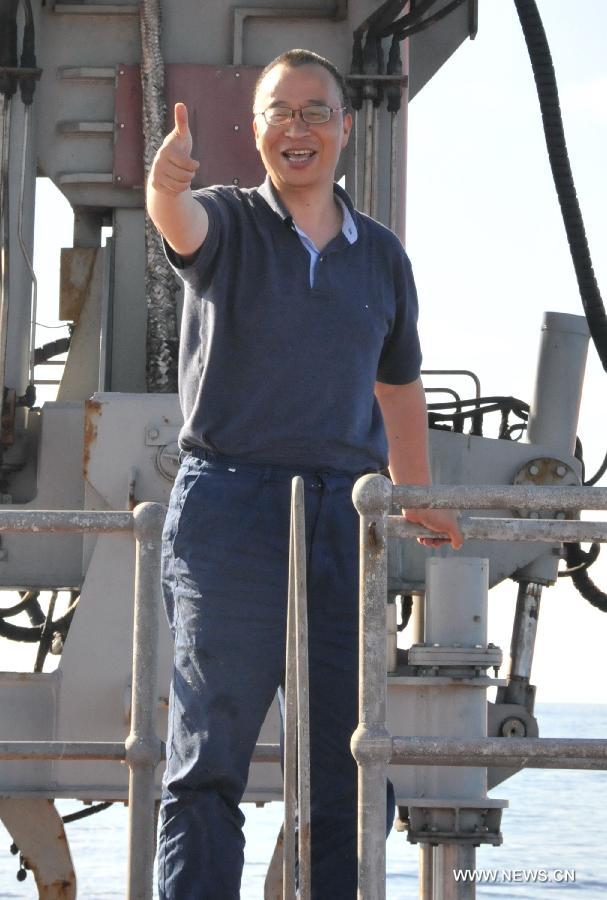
{"x":255,"y":132}
{"x":347,"y":129}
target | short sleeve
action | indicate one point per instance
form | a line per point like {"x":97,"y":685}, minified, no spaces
{"x":196,"y":270}
{"x":401,"y":357}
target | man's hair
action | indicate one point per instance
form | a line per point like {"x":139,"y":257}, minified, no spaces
{"x":292,"y":59}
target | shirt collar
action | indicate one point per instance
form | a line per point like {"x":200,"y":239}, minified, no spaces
{"x":269,"y":193}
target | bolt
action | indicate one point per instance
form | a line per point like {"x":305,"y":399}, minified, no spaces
{"x":121,"y":71}
{"x":121,"y":125}
{"x":118,"y":178}
{"x":237,"y":74}
{"x":534,"y":469}
{"x":236,"y":127}
{"x":236,"y":181}
{"x":153,"y":434}
{"x":561,"y":471}
{"x":560,"y":514}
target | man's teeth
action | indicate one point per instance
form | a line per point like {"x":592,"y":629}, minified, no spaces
{"x":299,"y":154}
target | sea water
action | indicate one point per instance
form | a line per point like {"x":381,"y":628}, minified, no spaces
{"x":557,"y":822}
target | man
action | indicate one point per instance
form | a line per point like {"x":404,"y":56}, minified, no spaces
{"x":297,"y":309}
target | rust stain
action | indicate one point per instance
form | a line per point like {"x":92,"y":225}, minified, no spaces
{"x":92,"y":409}
{"x":58,"y":890}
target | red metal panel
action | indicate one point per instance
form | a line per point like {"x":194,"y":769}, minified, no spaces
{"x":219,"y":102}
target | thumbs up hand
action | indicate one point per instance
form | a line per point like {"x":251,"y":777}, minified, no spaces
{"x":173,"y":168}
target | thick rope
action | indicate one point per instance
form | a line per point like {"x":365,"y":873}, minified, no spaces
{"x":161,"y":286}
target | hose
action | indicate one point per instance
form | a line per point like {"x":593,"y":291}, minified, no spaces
{"x":547,"y":91}
{"x":160,"y":283}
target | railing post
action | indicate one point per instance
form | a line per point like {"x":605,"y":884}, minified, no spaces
{"x":371,"y":743}
{"x":143,"y":747}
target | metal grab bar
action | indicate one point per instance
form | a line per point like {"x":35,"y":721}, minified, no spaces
{"x":484,"y":529}
{"x":143,"y":748}
{"x":534,"y":753}
{"x":297,"y":712}
{"x":496,"y":496}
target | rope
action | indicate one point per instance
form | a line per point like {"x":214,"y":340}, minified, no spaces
{"x":160,"y":283}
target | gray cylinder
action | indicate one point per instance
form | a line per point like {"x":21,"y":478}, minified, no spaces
{"x":456,"y":602}
{"x":553,"y":417}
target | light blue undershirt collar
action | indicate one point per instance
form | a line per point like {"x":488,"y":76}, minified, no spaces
{"x":348,"y":228}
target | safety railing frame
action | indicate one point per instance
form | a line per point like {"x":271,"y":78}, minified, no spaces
{"x":143,"y":749}
{"x":372,"y":746}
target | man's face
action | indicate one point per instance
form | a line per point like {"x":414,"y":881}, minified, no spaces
{"x":319,"y":146}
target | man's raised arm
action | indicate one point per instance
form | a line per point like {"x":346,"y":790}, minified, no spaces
{"x":178,"y":217}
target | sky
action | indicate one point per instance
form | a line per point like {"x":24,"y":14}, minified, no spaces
{"x":489,"y":252}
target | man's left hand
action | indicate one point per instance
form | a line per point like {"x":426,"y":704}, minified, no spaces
{"x":444,"y":521}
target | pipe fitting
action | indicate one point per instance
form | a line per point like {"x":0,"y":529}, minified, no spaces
{"x":372,"y":495}
{"x":371,"y":745}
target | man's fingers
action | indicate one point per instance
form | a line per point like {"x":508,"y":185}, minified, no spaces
{"x":182,"y":163}
{"x":181,"y":120}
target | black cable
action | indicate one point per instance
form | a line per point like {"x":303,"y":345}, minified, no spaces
{"x":408,"y":31}
{"x":33,"y":634}
{"x":575,"y":556}
{"x":598,"y":474}
{"x":85,"y":813}
{"x":547,"y":90}
{"x":586,"y":560}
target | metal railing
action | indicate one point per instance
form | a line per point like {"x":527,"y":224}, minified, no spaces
{"x":143,"y":749}
{"x":372,"y":746}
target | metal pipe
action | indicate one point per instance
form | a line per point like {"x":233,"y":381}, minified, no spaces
{"x":64,"y":520}
{"x":448,"y":859}
{"x":5,"y":112}
{"x":368,"y":158}
{"x":143,"y":747}
{"x":547,"y":530}
{"x":24,"y":250}
{"x":375,"y":166}
{"x":497,"y":496}
{"x":522,"y":645}
{"x":290,"y":762}
{"x":371,"y":742}
{"x":426,"y":866}
{"x":532,"y":753}
{"x":109,"y":750}
{"x":303,"y":705}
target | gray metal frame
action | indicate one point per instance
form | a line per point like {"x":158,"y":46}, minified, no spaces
{"x":372,"y":746}
{"x":143,"y":750}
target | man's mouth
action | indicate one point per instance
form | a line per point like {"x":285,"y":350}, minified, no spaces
{"x":298,"y":155}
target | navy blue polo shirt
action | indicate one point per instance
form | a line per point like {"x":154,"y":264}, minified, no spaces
{"x":273,"y":369}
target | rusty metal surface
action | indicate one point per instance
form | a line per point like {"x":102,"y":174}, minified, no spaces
{"x":75,"y":278}
{"x":219,"y":101}
{"x":92,"y":410}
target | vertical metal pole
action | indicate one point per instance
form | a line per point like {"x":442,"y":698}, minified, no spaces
{"x":375,"y":166}
{"x":143,"y":745}
{"x":368,"y":158}
{"x":426,"y":865}
{"x":449,"y":858}
{"x":371,"y":743}
{"x":524,"y":630}
{"x":298,"y":526}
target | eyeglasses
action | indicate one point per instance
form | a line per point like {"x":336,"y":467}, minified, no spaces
{"x":311,"y":115}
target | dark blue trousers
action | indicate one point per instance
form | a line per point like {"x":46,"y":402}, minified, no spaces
{"x":225,"y":571}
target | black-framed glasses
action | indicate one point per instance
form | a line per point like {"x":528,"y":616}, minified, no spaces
{"x":318,"y":114}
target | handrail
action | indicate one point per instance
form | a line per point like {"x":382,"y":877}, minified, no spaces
{"x":143,"y":749}
{"x":372,"y":746}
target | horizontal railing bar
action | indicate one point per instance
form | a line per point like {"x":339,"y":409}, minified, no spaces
{"x":95,"y":750}
{"x":486,"y":529}
{"x":534,"y":753}
{"x":64,"y":520}
{"x":491,"y":496}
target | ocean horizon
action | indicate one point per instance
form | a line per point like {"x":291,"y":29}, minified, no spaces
{"x":554,"y":833}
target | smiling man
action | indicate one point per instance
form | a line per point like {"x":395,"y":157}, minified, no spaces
{"x":299,"y":355}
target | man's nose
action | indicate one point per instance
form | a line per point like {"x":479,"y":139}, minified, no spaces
{"x":297,"y":124}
